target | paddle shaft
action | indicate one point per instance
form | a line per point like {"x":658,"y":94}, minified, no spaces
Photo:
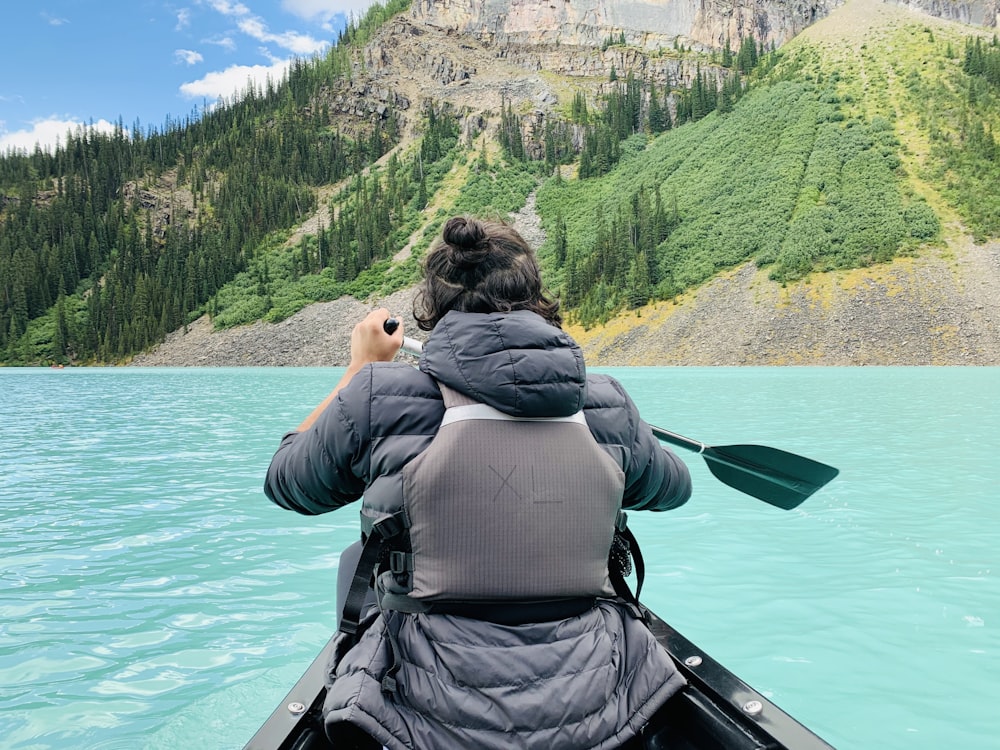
{"x":713,"y":454}
{"x":679,"y":440}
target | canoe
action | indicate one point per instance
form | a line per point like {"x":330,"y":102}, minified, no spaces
{"x":716,"y":711}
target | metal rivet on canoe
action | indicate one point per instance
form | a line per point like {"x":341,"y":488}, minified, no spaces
{"x":693,"y":661}
{"x":753,"y":707}
{"x":296,"y":708}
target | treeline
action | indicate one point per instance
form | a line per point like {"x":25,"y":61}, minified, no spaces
{"x":960,"y":109}
{"x":635,"y":106}
{"x":982,"y":59}
{"x":372,"y":217}
{"x":113,"y":240}
{"x":784,"y":180}
{"x":620,"y":267}
{"x":975,"y":154}
{"x":982,"y":64}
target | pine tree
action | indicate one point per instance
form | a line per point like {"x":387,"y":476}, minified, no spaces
{"x":727,"y":54}
{"x":657,"y":114}
{"x":60,"y":340}
{"x":699,"y":107}
{"x":637,"y":283}
{"x":560,"y":239}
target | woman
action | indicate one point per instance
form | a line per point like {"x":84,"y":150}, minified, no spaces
{"x":500,"y":468}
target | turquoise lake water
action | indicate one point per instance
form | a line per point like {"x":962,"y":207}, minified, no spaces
{"x":151,"y":597}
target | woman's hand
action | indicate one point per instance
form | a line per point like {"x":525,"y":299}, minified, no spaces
{"x":370,"y":342}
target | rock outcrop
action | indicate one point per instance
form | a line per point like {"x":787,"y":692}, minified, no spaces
{"x":978,"y":12}
{"x":647,"y":24}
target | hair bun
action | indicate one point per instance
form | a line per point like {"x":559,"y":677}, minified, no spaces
{"x":466,"y":242}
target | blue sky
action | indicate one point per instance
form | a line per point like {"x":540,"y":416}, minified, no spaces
{"x":67,"y":62}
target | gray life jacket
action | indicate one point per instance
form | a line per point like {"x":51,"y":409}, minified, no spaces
{"x":486,"y":521}
{"x":489,"y":519}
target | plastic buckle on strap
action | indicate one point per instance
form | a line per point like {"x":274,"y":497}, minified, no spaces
{"x":391,"y":526}
{"x":621,"y":521}
{"x":400,"y":562}
{"x":638,"y":611}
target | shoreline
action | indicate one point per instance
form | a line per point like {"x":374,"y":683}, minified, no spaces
{"x":941,"y":308}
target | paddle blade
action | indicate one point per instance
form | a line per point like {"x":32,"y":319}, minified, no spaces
{"x":775,"y":476}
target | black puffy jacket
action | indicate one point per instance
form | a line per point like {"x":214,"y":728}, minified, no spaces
{"x":590,"y":681}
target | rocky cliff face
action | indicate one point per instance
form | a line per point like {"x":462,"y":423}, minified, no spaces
{"x":978,"y":12}
{"x":471,"y":52}
{"x":478,"y":53}
{"x":647,"y":24}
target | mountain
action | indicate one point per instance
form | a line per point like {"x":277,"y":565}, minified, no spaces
{"x":708,"y":183}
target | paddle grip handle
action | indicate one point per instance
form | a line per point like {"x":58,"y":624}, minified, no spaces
{"x":410,"y":346}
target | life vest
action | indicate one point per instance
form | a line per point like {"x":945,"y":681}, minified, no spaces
{"x":506,"y":508}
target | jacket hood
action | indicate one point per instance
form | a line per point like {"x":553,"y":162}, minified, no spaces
{"x":516,"y":362}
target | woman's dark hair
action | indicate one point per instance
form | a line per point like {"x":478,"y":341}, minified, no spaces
{"x":481,"y":266}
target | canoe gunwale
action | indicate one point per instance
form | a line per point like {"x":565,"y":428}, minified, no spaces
{"x":730,"y":696}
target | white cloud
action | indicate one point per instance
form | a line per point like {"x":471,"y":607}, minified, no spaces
{"x":46,"y":134}
{"x":254,"y":26}
{"x":183,"y":19}
{"x":188,"y":56}
{"x":233,"y":80}
{"x":325,"y":10}
{"x":225,"y":42}
{"x":227,"y":8}
{"x":54,"y":20}
{"x":265,"y":52}
{"x":300,"y":44}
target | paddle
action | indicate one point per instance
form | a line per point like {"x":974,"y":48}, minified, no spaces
{"x":775,"y":476}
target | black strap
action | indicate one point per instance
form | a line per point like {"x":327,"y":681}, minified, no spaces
{"x":375,"y":547}
{"x":392,"y":626}
{"x":637,"y":561}
{"x":498,"y":611}
{"x":625,"y":548}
